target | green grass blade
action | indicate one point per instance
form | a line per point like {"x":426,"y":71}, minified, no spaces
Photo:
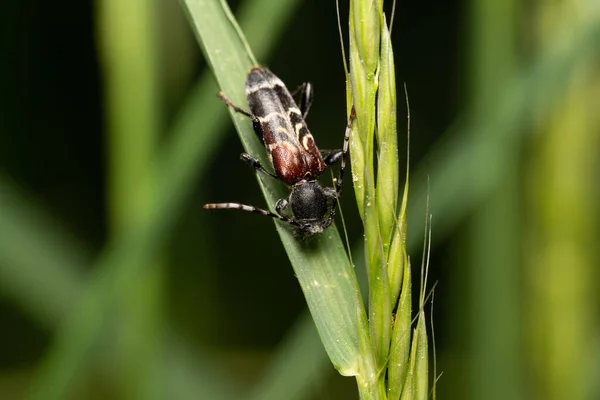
{"x":380,"y":307}
{"x":400,"y":346}
{"x":358,"y":144}
{"x":416,"y":384}
{"x":364,"y":21}
{"x":321,"y":265}
{"x":421,"y":374}
{"x":387,"y":142}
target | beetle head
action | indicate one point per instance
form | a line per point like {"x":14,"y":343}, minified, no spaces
{"x":309,"y":204}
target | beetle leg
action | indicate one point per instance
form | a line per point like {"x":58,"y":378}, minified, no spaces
{"x":255,"y":121}
{"x":331,"y":157}
{"x":306,"y":97}
{"x":254,"y":163}
{"x":280,"y":206}
{"x":228,"y":102}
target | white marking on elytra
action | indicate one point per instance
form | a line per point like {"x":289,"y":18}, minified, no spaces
{"x":306,"y":140}
{"x":297,"y":128}
{"x":282,"y":129}
{"x":289,"y":146}
{"x":265,"y":84}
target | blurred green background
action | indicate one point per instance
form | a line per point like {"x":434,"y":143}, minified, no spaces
{"x":114,"y":283}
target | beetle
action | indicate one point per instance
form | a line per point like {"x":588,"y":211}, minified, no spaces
{"x":291,"y":148}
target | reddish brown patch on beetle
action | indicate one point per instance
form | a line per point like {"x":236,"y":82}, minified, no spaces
{"x":288,"y":162}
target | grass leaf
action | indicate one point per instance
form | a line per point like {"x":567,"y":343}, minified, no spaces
{"x":321,"y":264}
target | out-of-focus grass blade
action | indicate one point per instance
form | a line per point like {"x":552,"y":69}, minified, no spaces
{"x":561,"y":300}
{"x":492,"y":265}
{"x":44,"y":282}
{"x":298,"y":379}
{"x":122,"y":260}
{"x":486,"y":137}
{"x":193,"y":374}
{"x":60,"y":260}
{"x":134,"y":121}
{"x":119,"y":263}
{"x":321,"y":264}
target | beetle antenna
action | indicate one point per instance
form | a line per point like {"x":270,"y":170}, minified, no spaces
{"x":338,"y":184}
{"x":256,"y":210}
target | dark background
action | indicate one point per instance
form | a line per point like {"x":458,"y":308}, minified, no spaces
{"x":226,"y":285}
